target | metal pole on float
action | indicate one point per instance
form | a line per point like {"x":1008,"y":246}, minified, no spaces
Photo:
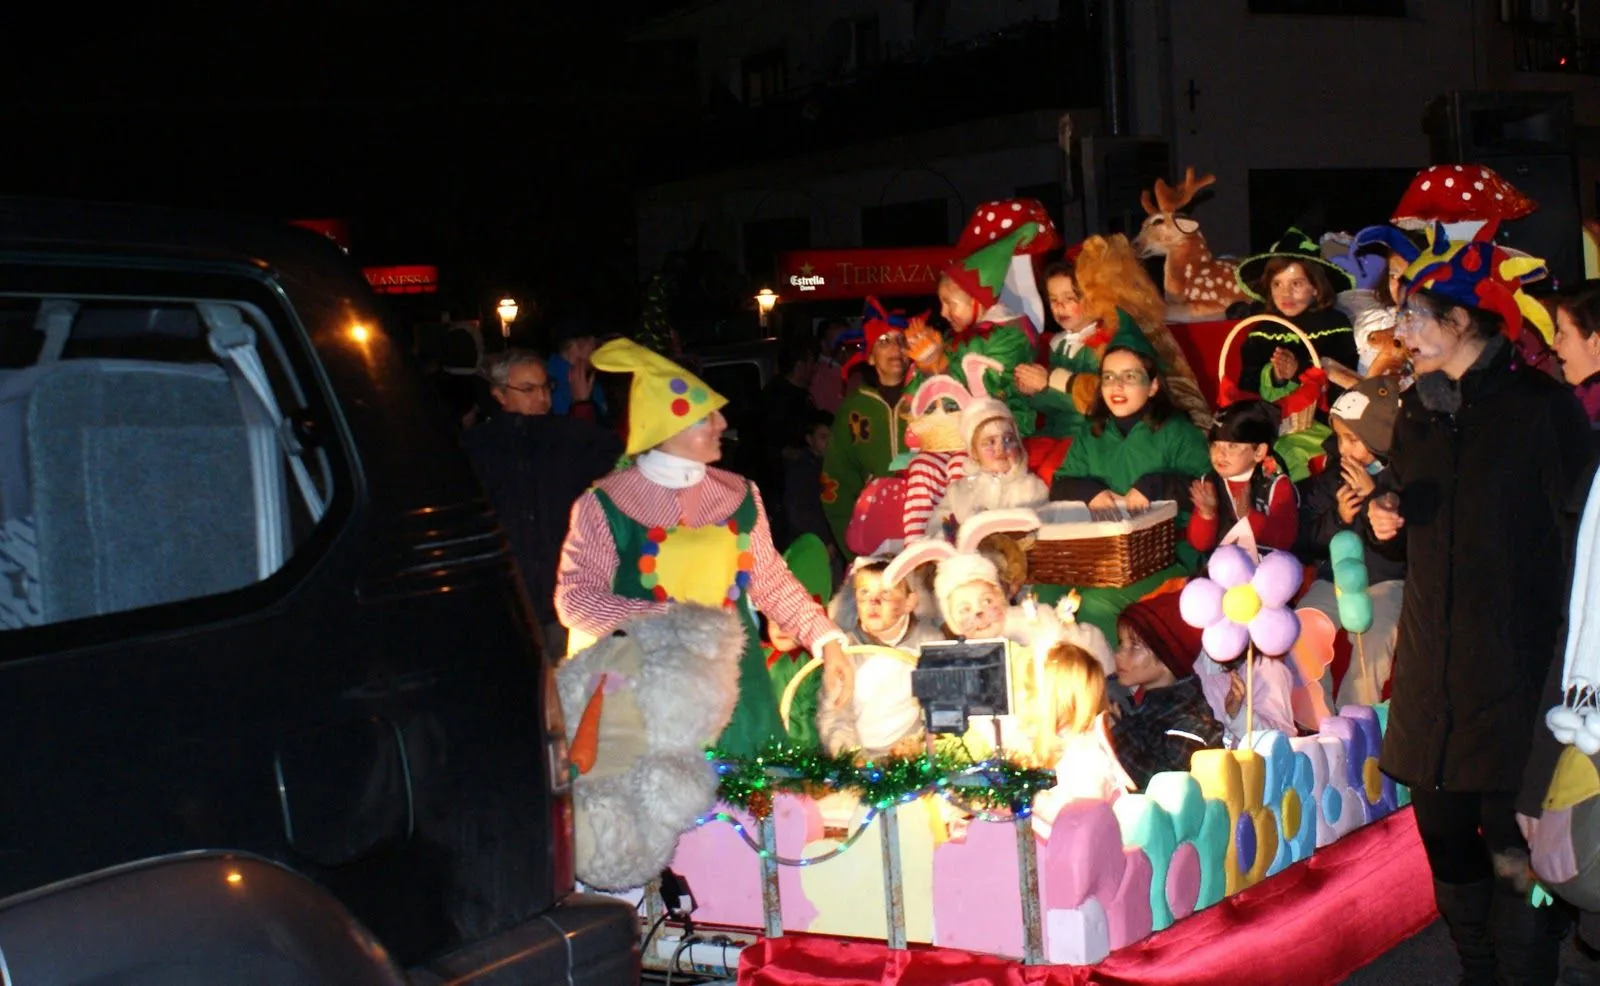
{"x":894,"y":900}
{"x":771,"y":902}
{"x":1028,"y":884}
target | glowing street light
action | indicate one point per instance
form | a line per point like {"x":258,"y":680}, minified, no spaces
{"x":766,"y":301}
{"x":507,"y":310}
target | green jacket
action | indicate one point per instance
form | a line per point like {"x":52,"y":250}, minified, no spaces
{"x":1007,"y":344}
{"x":1055,"y":402}
{"x":1118,"y":462}
{"x":867,"y":435}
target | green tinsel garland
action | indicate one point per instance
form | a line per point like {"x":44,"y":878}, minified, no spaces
{"x":750,"y":782}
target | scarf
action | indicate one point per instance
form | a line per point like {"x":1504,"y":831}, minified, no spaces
{"x":673,"y":472}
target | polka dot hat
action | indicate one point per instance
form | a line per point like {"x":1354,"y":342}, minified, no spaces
{"x":664,"y":398}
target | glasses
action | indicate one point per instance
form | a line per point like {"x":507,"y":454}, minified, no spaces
{"x":1128,"y":378}
{"x":528,"y":388}
{"x":1411,"y":316}
{"x":894,"y":339}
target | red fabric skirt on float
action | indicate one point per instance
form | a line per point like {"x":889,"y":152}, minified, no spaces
{"x":1316,"y":922}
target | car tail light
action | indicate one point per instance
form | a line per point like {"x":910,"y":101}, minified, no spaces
{"x":559,"y":766}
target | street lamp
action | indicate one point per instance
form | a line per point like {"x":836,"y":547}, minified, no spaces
{"x":766,"y":301}
{"x":507,"y":310}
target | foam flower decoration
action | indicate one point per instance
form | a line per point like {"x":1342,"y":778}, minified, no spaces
{"x":1240,"y":602}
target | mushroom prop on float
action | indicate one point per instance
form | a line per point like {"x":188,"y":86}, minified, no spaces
{"x":1469,"y":199}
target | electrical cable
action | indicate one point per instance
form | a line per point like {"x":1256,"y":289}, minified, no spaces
{"x":677,"y":956}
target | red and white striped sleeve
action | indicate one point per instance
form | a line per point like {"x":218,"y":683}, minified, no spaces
{"x":778,"y":594}
{"x":926,"y":480}
{"x":584,"y":600}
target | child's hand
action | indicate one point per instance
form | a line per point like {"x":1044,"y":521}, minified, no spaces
{"x":1204,"y":498}
{"x":1103,"y":500}
{"x":1356,"y":478}
{"x":1349,"y":505}
{"x":1137,"y":502}
{"x":1383,"y":513}
{"x":1031,"y":378}
{"x":1285,"y":365}
{"x":1235,"y":697}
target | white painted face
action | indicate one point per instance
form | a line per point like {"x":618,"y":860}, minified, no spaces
{"x":1430,"y":340}
{"x":977,"y":610}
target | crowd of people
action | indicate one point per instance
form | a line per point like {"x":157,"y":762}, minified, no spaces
{"x":1406,"y":390}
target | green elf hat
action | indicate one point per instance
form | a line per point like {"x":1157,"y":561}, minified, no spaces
{"x":1292,"y":245}
{"x":807,"y":558}
{"x":1129,"y":336}
{"x":982,"y":273}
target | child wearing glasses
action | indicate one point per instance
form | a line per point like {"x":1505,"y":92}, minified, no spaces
{"x":1245,"y":481}
{"x":997,"y":474}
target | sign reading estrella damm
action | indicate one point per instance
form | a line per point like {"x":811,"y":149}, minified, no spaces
{"x":831,"y":274}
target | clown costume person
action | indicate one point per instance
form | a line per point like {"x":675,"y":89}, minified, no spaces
{"x":671,"y":529}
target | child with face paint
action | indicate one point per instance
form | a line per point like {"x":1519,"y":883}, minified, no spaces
{"x":997,"y":473}
{"x":1245,"y":481}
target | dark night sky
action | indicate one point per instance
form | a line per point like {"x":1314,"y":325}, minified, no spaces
{"x":487,"y":140}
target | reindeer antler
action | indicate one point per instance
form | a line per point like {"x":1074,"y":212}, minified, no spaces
{"x":1173,"y":199}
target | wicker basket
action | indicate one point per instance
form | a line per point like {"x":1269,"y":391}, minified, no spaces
{"x":1074,"y":550}
{"x":1299,"y":420}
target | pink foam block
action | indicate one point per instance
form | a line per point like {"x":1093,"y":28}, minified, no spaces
{"x":1128,"y":913}
{"x":1083,"y":857}
{"x":977,"y":904}
{"x":725,"y":873}
{"x":1183,"y":881}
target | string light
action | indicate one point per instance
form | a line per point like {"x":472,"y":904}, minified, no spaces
{"x":744,"y":833}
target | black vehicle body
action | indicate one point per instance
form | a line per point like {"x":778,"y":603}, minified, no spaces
{"x":374,"y":714}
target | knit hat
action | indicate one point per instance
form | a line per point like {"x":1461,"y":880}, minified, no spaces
{"x":807,"y":558}
{"x":1252,"y":422}
{"x":1160,"y":625}
{"x":663,"y":399}
{"x":957,"y":571}
{"x":1369,"y":409}
{"x":1292,"y":245}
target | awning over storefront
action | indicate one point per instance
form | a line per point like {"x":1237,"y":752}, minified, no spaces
{"x":824,"y":275}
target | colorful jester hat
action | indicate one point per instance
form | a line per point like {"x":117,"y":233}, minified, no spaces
{"x":664,"y":398}
{"x":997,"y":248}
{"x":807,"y":558}
{"x":1437,"y":260}
{"x":1479,"y":274}
{"x":876,"y":322}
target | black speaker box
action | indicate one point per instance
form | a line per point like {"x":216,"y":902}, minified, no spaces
{"x":1528,"y":137}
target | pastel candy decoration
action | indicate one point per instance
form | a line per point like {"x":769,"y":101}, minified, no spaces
{"x":1349,"y":559}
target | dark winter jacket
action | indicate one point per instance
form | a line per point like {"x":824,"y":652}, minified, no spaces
{"x":1162,"y":730}
{"x":1319,"y":521}
{"x":534,"y":467}
{"x":1482,"y":493}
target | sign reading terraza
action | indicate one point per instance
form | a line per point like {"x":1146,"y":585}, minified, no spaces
{"x":820,"y":274}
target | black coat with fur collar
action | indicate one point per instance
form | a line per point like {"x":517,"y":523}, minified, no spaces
{"x":1482,"y":494}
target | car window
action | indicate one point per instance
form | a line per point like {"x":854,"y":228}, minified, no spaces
{"x":146,"y":455}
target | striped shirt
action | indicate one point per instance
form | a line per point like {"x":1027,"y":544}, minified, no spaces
{"x":927,"y":478}
{"x":584,"y":600}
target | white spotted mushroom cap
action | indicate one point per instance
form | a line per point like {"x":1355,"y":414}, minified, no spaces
{"x":1452,"y":193}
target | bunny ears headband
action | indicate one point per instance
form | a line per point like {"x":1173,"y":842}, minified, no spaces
{"x":960,"y":563}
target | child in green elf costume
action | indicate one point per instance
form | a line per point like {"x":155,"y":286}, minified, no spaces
{"x":991,"y":299}
{"x":807,"y":559}
{"x":1133,"y":446}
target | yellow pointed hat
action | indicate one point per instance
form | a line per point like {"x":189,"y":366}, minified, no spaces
{"x":664,"y":398}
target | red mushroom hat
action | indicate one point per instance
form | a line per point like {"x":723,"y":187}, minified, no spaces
{"x":1460,"y":193}
{"x":996,"y":254}
{"x":995,"y":220}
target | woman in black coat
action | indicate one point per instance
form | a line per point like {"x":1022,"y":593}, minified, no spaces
{"x":1485,"y":455}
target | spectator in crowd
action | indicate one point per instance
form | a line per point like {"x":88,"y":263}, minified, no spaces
{"x":869,"y":429}
{"x":571,"y":375}
{"x":827,"y":383}
{"x":534,"y":465}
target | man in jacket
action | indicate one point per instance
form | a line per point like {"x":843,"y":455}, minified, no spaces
{"x":868,"y":430}
{"x":534,"y":465}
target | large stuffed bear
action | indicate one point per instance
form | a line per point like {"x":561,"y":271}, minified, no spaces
{"x":641,"y":706}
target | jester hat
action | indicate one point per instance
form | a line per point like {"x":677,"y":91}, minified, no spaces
{"x":1479,"y":274}
{"x":876,"y":322}
{"x":663,"y":399}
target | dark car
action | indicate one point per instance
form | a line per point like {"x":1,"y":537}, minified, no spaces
{"x":252,"y":599}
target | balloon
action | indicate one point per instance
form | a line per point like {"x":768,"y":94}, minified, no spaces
{"x":1355,"y":612}
{"x":1277,"y":578}
{"x":1350,"y":575}
{"x":1346,"y":545}
{"x":1224,"y":640}
{"x":1230,"y":566}
{"x":1200,"y":603}
{"x":1241,"y":603}
{"x":1275,"y":631}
